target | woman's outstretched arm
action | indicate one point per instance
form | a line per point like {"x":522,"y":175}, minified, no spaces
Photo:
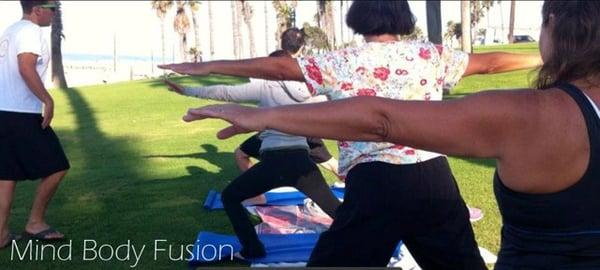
{"x":269,"y":68}
{"x":478,"y":125}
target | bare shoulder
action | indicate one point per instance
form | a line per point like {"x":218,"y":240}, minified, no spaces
{"x":552,"y":136}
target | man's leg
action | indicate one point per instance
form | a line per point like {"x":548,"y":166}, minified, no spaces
{"x":45,"y":191}
{"x":7,"y":191}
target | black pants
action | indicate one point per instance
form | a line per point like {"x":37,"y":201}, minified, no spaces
{"x":276,"y":169}
{"x":384,"y":203}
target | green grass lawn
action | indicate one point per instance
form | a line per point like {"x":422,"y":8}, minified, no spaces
{"x":140,"y":174}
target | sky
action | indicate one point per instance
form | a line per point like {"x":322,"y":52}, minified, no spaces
{"x":92,"y":27}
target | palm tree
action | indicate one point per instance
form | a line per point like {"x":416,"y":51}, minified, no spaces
{"x":58,"y":71}
{"x":182,"y":26}
{"x":211,"y":31}
{"x":465,"y":15}
{"x":247,"y":13}
{"x":511,"y":24}
{"x":161,"y":8}
{"x":266,"y":13}
{"x":325,"y":20}
{"x":341,"y":22}
{"x":286,"y":12}
{"x":194,"y":5}
{"x":453,"y":30}
{"x":434,"y":21}
{"x":235,"y":25}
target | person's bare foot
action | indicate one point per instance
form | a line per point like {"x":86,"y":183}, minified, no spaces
{"x":42,"y":231}
{"x":7,"y":239}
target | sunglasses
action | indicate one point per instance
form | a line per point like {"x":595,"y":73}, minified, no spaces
{"x":51,"y":7}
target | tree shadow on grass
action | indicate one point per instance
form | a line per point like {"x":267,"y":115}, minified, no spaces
{"x":106,"y":198}
{"x":210,"y":154}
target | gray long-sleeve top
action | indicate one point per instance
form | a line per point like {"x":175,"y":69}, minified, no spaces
{"x":268,"y":94}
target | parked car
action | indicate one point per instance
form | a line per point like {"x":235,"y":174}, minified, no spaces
{"x":522,"y":38}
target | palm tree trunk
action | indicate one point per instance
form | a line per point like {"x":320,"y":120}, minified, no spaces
{"x":331,"y":24}
{"x":196,"y":32}
{"x":325,"y":20}
{"x":465,"y":15}
{"x":162,"y":39}
{"x":211,"y":31}
{"x":236,"y":30}
{"x":511,"y":24}
{"x":342,"y":22}
{"x":266,"y":15}
{"x":434,"y":21}
{"x":248,"y":12}
{"x":58,"y":72}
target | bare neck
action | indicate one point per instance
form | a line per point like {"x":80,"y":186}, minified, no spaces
{"x":381,"y":38}
{"x":31,"y":18}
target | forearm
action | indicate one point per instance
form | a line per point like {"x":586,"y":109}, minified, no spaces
{"x":465,"y":127}
{"x":269,"y":68}
{"x":35,"y":84}
{"x":234,"y":93}
{"x":208,"y":93}
{"x":496,"y":62}
{"x":355,"y":119}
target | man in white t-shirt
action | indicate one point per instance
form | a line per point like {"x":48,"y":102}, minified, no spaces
{"x":29,"y":148}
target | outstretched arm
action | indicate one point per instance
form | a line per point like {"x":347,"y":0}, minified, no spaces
{"x":478,"y":125}
{"x":496,"y":62}
{"x":269,"y":68}
{"x":234,"y":93}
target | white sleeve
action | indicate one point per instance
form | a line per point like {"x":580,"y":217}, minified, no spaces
{"x":29,"y":40}
{"x":235,"y":93}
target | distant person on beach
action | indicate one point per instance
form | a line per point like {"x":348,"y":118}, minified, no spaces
{"x":29,"y":148}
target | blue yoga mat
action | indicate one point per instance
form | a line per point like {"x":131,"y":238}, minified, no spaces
{"x":212,"y":247}
{"x":213,"y":199}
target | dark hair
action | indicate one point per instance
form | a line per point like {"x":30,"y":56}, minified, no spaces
{"x":292,"y":40}
{"x":280,"y":53}
{"x":380,"y":17}
{"x":574,"y":41}
{"x":27,"y":5}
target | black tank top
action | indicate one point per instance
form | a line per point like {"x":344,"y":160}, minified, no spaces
{"x":563,"y":223}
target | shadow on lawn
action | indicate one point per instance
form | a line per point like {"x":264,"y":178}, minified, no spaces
{"x":210,"y":154}
{"x":105,"y":198}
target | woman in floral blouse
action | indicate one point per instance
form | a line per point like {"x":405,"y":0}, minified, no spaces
{"x":393,"y":192}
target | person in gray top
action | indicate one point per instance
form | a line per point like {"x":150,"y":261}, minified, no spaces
{"x":284,"y":159}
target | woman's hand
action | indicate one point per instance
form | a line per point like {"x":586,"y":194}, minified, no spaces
{"x":188,"y":68}
{"x":173,"y":86}
{"x":243,"y":119}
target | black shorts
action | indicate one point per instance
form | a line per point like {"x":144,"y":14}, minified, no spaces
{"x":28,"y":152}
{"x":318,"y":151}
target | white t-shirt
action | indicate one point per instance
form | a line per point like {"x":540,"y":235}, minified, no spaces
{"x":21,"y":37}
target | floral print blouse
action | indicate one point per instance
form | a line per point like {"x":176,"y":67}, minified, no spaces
{"x":403,"y":70}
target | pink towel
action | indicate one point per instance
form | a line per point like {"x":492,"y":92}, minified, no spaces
{"x":290,"y":219}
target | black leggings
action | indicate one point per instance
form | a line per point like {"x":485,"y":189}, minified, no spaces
{"x":384,"y":203}
{"x":276,"y":168}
